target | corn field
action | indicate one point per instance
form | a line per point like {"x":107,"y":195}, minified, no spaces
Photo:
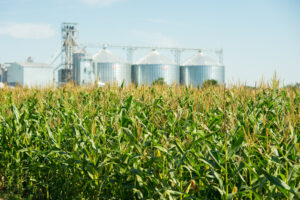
{"x":150,"y":142}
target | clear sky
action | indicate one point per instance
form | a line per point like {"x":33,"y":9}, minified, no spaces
{"x":258,"y":37}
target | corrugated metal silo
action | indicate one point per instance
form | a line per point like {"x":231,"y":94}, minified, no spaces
{"x":200,"y":68}
{"x":155,"y":66}
{"x":3,"y":73}
{"x":77,"y":57}
{"x":110,"y":68}
{"x":86,"y":72}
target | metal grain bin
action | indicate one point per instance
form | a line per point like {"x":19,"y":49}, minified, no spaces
{"x":3,"y":74}
{"x":200,"y":68}
{"x":86,"y":72}
{"x":110,"y":68}
{"x":77,"y":58}
{"x":155,"y":66}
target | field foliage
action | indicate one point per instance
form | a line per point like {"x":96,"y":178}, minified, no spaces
{"x":154,"y":142}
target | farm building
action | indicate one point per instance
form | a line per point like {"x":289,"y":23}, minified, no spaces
{"x":29,"y":74}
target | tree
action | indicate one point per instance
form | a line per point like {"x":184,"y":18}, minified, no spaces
{"x":210,"y":82}
{"x":295,"y":86}
{"x":159,"y":81}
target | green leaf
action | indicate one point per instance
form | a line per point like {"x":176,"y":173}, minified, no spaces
{"x":278,"y":182}
{"x":236,"y":143}
{"x":161,"y":149}
{"x":138,"y":193}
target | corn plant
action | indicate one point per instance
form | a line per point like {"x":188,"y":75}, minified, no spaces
{"x":150,"y":142}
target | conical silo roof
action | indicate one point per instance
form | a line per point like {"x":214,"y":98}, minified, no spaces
{"x":106,"y":56}
{"x":155,"y":58}
{"x":200,"y":59}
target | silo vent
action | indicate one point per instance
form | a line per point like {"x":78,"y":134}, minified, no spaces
{"x":29,"y":59}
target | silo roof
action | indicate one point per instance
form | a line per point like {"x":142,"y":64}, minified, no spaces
{"x":200,"y":59}
{"x":155,"y":58}
{"x":105,"y":56}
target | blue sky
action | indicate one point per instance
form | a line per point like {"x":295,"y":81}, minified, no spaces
{"x":258,"y":37}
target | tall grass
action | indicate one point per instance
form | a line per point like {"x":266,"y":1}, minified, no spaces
{"x":154,"y":142}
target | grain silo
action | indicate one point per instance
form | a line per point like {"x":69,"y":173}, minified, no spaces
{"x":83,"y":72}
{"x":155,"y":66}
{"x":77,"y":59}
{"x":110,"y":68}
{"x":3,"y":73}
{"x":29,"y":74}
{"x":200,"y":68}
